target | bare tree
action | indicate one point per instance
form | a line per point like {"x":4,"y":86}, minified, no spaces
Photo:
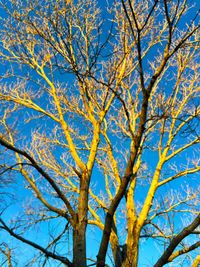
{"x":100,"y":126}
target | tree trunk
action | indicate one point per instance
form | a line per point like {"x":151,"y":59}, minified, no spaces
{"x":79,"y":231}
{"x":131,"y":257}
{"x":117,"y":255}
{"x":131,"y":252}
{"x":79,"y":247}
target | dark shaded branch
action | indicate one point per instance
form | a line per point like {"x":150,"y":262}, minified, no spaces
{"x":176,"y":241}
{"x":168,"y":54}
{"x":42,"y":172}
{"x":56,"y":239}
{"x":13,"y":166}
{"x":183,"y":40}
{"x":183,"y":251}
{"x":124,"y":183}
{"x":137,"y":39}
{"x":149,"y":15}
{"x":36,"y":246}
{"x":133,"y":15}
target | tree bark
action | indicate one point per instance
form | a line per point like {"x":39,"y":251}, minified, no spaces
{"x":79,"y":231}
{"x":116,"y":251}
{"x":79,"y":247}
{"x":131,"y":253}
{"x":176,"y":241}
{"x":9,"y":257}
{"x":131,"y":256}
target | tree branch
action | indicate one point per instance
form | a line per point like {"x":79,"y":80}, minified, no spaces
{"x":164,"y":259}
{"x":34,"y":245}
{"x":42,"y":172}
{"x":183,"y":251}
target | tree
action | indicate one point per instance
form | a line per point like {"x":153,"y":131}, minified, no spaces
{"x":99,"y":127}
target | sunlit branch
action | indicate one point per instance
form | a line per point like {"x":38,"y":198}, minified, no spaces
{"x":196,"y":261}
{"x":27,"y":103}
{"x":7,"y":252}
{"x":172,"y":207}
{"x":111,"y":156}
{"x":180,"y":174}
{"x":63,"y":122}
{"x":181,"y":149}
